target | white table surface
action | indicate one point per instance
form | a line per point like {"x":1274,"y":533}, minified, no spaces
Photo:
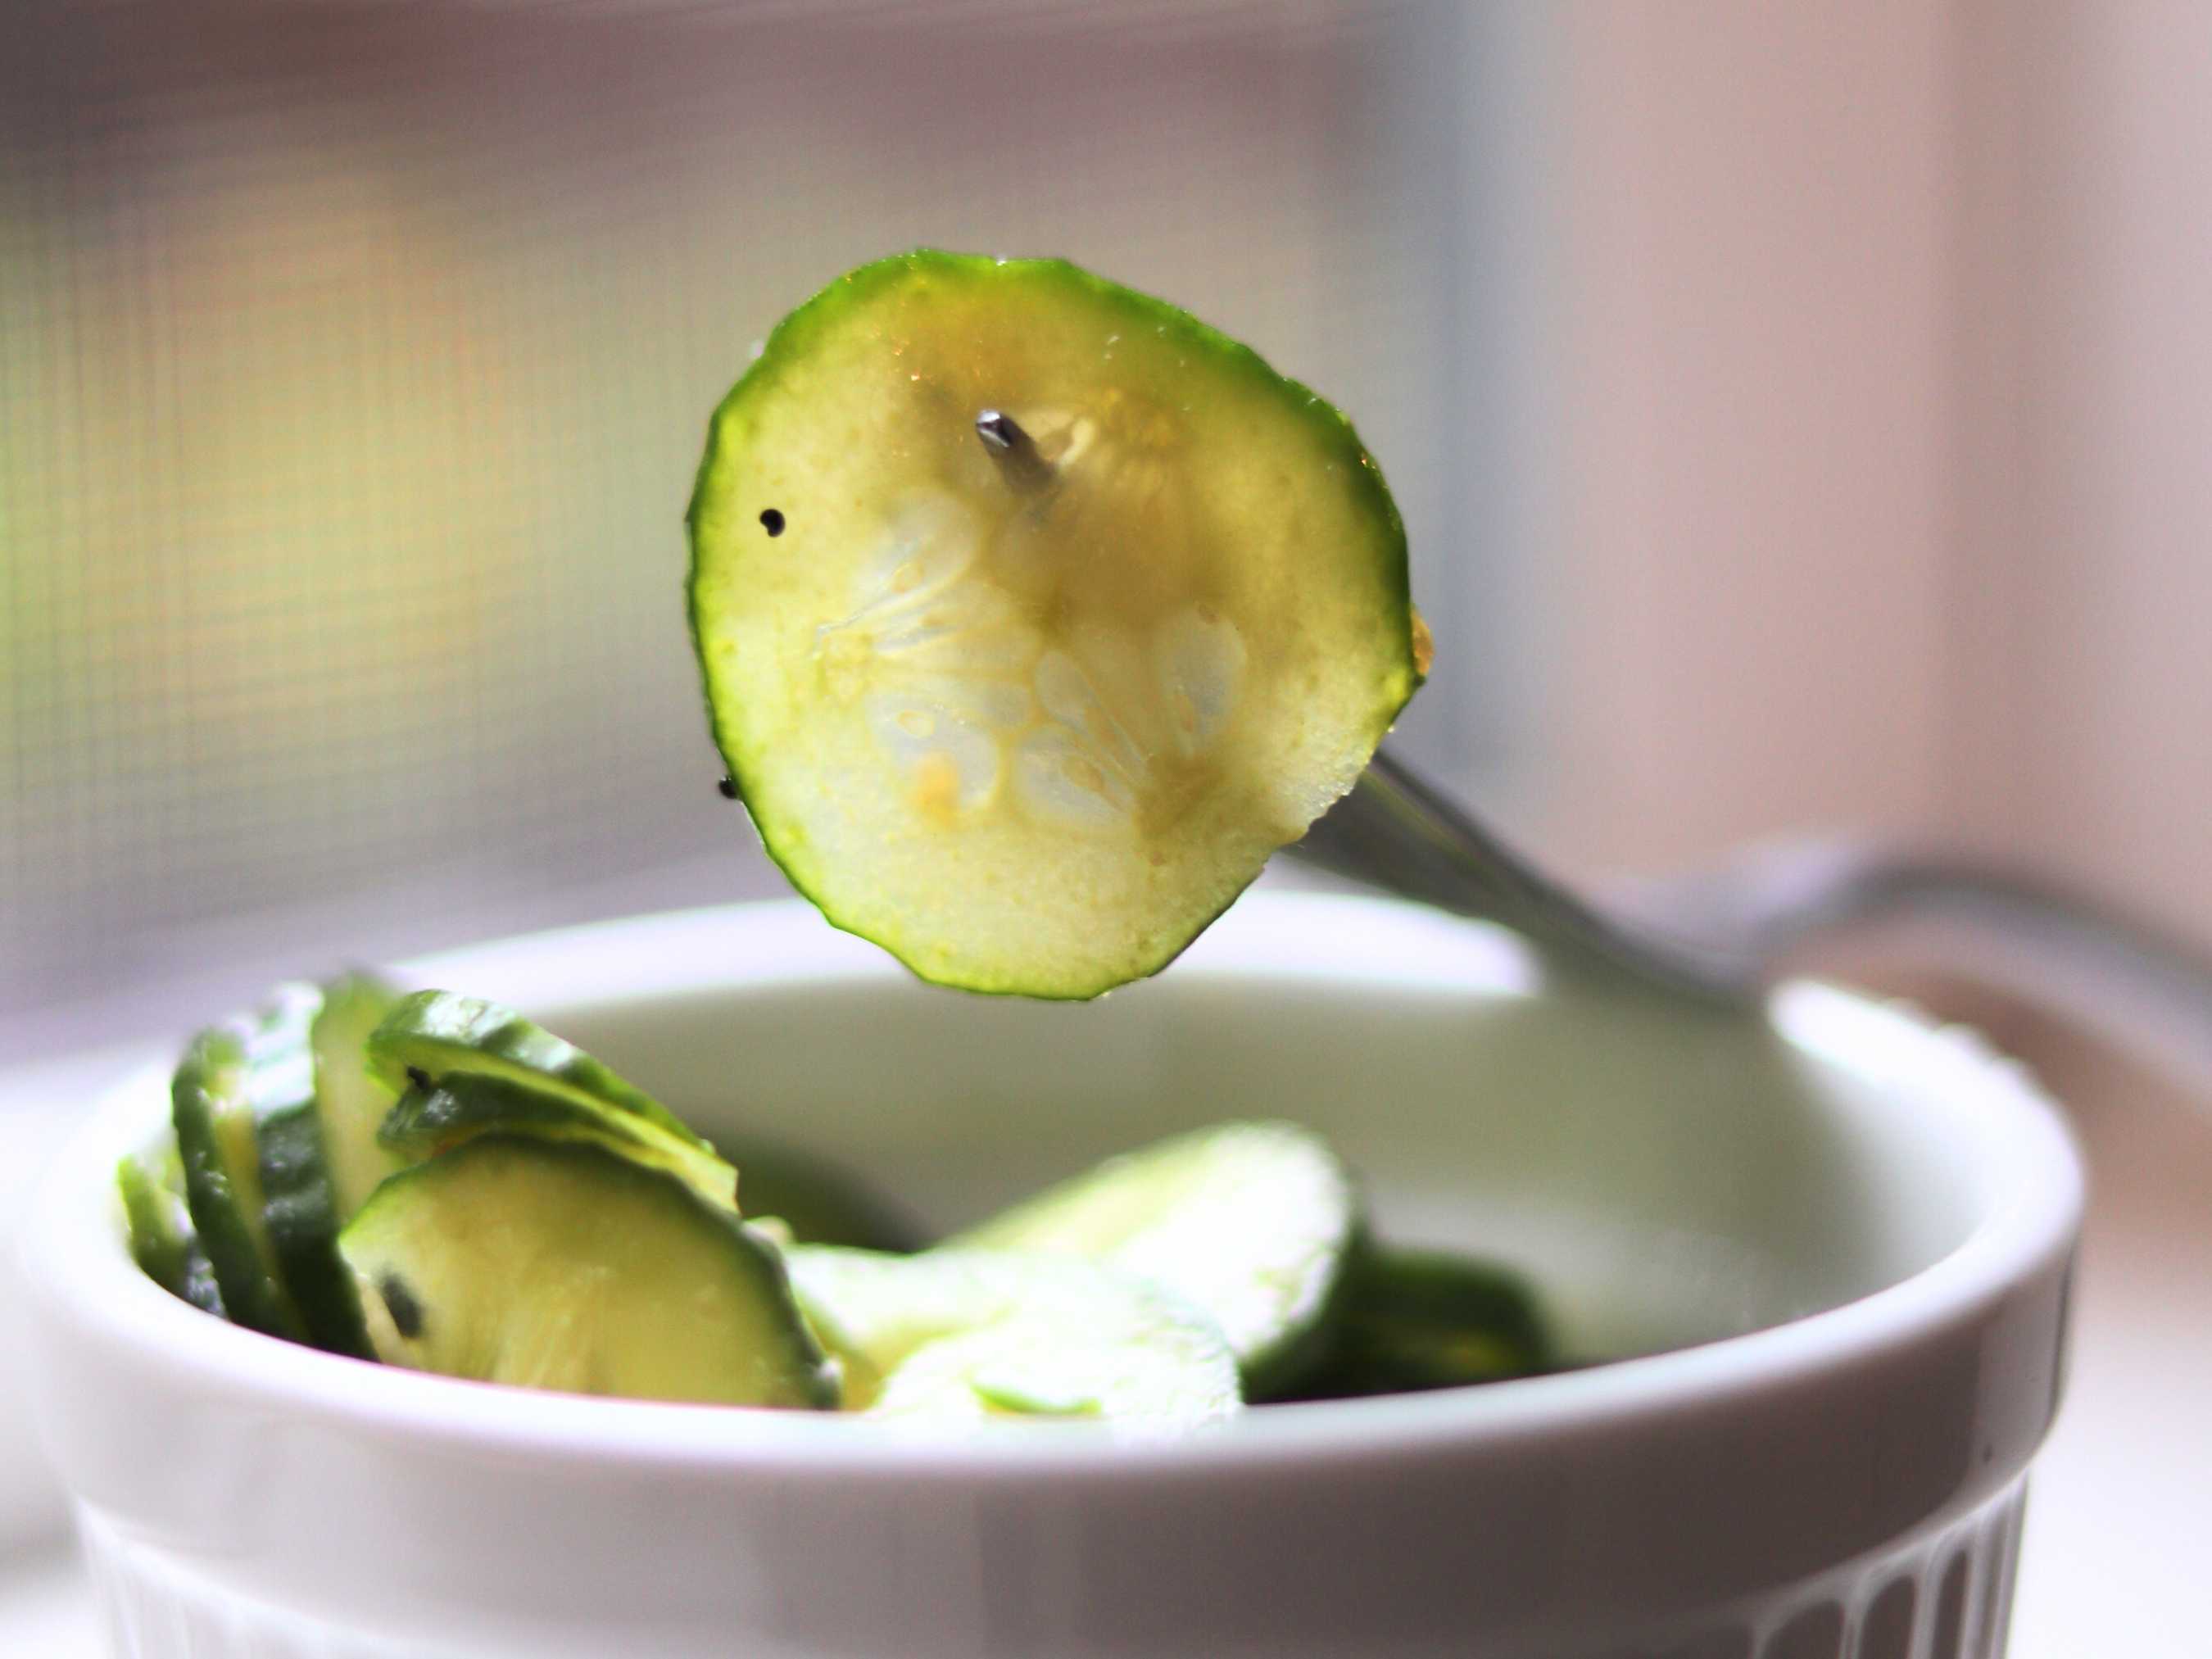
{"x":2115,"y":1560}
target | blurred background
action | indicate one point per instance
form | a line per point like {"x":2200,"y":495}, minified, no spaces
{"x":1800,"y":414}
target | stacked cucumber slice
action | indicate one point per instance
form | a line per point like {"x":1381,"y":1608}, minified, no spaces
{"x":556,"y":1262}
{"x":469,"y":1067}
{"x":434,"y":1181}
{"x":952,"y":1333}
{"x":249,"y":1136}
{"x":163,"y":1241}
{"x":1253,"y":1222}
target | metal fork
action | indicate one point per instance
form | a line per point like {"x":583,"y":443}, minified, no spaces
{"x":1720,"y":937}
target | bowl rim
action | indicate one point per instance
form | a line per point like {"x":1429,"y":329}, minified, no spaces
{"x":82,"y":1281}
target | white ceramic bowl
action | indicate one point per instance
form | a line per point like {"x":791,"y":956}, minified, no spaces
{"x":1851,"y":1234}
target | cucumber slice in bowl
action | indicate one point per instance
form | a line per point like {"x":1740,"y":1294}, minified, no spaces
{"x":163,"y":1241}
{"x":351,"y":1100}
{"x":215,"y":1127}
{"x":489,"y":1060}
{"x":561,"y":1265}
{"x":1253,"y":1222}
{"x":1034,"y":615}
{"x":464,"y":1104}
{"x":434,"y":1034}
{"x":244,"y":1108}
{"x":962,"y":1335}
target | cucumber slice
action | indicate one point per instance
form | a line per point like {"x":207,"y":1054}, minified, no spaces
{"x":561,"y":1265}
{"x":1251,"y":1222}
{"x":161,"y":1227}
{"x":465,"y":1104}
{"x":962,"y":1335}
{"x":214,"y":1129}
{"x":435,"y":1035}
{"x":351,"y":1100}
{"x":163,"y":1241}
{"x":1416,"y":1320}
{"x":1034,"y":615}
{"x":243,"y":1105}
{"x":300,"y":1209}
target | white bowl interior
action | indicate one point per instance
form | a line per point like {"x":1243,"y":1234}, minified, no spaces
{"x":1666,"y":1176}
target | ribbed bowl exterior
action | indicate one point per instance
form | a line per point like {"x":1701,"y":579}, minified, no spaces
{"x":1943,"y":1594}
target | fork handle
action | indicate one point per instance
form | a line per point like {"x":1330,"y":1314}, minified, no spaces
{"x":1721,"y":936}
{"x":1397,"y":832}
{"x":2137,"y":985}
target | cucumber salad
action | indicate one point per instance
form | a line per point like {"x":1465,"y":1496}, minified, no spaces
{"x":1032,"y":616}
{"x":433,"y":1180}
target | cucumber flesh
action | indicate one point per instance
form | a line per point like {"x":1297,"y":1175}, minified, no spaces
{"x":433,"y":1035}
{"x":1034,"y":615}
{"x":161,"y":1227}
{"x":350,"y":1100}
{"x":966,"y":1334}
{"x":219,"y":1088}
{"x":300,"y":1209}
{"x":1414,"y":1320}
{"x":162,"y":1239}
{"x":1253,"y":1222}
{"x":561,"y":1265}
{"x":464,"y":1104}
{"x":258,"y":1190}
